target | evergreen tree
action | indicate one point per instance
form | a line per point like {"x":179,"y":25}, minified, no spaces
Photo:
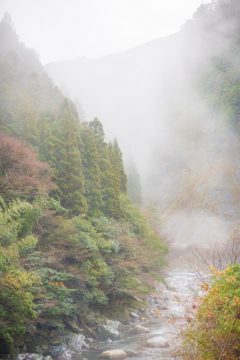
{"x":110,"y":186}
{"x":91,"y":168}
{"x":119,"y":167}
{"x":97,"y":127}
{"x":133,"y":183}
{"x":68,"y":162}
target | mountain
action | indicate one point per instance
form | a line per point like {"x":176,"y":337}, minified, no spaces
{"x":174,"y":105}
{"x":141,"y":94}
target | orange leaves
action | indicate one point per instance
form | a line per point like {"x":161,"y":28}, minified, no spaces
{"x":21,"y":173}
{"x":57,"y":284}
{"x":205,"y":286}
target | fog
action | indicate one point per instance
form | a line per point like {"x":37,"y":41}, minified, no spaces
{"x":149,"y":97}
{"x":65,"y":29}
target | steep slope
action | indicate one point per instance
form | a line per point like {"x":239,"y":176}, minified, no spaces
{"x":73,"y":248}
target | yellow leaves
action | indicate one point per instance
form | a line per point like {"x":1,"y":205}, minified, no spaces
{"x":231,"y":279}
{"x":215,"y":271}
{"x":236,"y":301}
{"x":205,"y":286}
{"x":217,"y":322}
{"x":11,"y":252}
{"x":17,"y":280}
{"x":57,"y":283}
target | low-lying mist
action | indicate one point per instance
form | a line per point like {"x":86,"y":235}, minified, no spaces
{"x":154,"y":98}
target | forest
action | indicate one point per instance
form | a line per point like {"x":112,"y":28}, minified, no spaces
{"x":73,"y":247}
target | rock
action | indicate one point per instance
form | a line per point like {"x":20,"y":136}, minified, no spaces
{"x":171,"y":288}
{"x":134,"y":315}
{"x":73,"y":345}
{"x":76,"y":343}
{"x":157,"y":342}
{"x":114,"y":354}
{"x":60,"y":352}
{"x":65,"y":355}
{"x":109,"y":330}
{"x":33,"y":356}
{"x":90,"y":339}
{"x":139,"y":329}
{"x":131,"y":353}
{"x":124,"y":328}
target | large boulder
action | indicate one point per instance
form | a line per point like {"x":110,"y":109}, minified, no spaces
{"x":72,"y":345}
{"x":109,"y":330}
{"x":116,"y":354}
{"x":76,"y":343}
{"x":139,"y":329}
{"x":157,"y":342}
{"x":61,"y":352}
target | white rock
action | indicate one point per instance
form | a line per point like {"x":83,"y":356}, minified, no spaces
{"x":117,"y":354}
{"x":139,"y":329}
{"x":157,"y":342}
{"x":77,"y":342}
{"x":134,"y":315}
{"x":109,"y":330}
{"x":33,"y":356}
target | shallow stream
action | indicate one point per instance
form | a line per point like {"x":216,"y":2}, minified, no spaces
{"x":169,"y":311}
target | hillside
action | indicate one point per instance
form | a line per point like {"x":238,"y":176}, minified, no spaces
{"x":73,"y":248}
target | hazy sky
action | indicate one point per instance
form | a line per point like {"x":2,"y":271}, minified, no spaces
{"x":62,"y":29}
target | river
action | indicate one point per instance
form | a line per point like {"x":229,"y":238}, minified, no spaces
{"x":170,"y":310}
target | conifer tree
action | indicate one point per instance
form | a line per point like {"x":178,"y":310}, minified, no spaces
{"x":68,"y":162}
{"x":117,"y":162}
{"x":109,"y":182}
{"x":92,"y":174}
{"x":133,"y":183}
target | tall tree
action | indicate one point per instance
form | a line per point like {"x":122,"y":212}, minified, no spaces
{"x":91,"y":168}
{"x":117,"y":163}
{"x":133,"y":182}
{"x":109,"y":181}
{"x":68,"y":162}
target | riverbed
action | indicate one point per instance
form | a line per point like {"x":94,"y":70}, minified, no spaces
{"x":169,"y":312}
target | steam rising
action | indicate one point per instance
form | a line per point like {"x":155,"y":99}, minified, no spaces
{"x":150,"y":98}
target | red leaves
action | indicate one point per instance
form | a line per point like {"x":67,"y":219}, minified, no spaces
{"x":21,"y":173}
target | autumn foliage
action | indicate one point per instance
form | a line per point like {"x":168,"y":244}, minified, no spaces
{"x":21,"y":173}
{"x":215,"y":332}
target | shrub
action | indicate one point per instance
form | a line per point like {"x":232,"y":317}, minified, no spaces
{"x":215,"y":333}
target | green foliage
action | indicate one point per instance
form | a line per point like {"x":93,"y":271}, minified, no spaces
{"x":152,"y":246}
{"x":68,"y":162}
{"x":16,"y":299}
{"x":92,"y":172}
{"x":85,"y":249}
{"x":16,"y":303}
{"x":215,"y":333}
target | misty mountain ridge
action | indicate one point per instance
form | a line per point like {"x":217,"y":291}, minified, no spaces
{"x":173,"y":105}
{"x":139,"y":87}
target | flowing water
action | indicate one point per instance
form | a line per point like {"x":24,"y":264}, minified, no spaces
{"x":169,"y":312}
